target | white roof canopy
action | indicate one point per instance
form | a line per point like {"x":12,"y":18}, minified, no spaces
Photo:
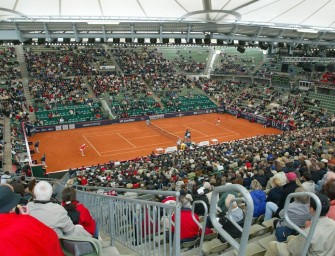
{"x":307,"y":13}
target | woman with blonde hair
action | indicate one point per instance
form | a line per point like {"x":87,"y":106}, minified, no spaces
{"x":258,"y":197}
{"x":273,"y":199}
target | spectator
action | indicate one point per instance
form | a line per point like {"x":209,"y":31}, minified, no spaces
{"x":199,"y":195}
{"x":329,"y":190}
{"x":323,"y":240}
{"x":52,"y":214}
{"x":5,"y":177}
{"x":298,"y":212}
{"x":189,"y":230}
{"x":21,"y":234}
{"x":236,"y":214}
{"x":273,"y":199}
{"x":259,"y":198}
{"x":288,"y":188}
{"x":78,"y":213}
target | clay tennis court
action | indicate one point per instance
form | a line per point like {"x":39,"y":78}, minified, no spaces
{"x":129,"y":140}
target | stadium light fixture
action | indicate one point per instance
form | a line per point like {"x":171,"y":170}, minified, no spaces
{"x":307,"y":30}
{"x":103,"y":22}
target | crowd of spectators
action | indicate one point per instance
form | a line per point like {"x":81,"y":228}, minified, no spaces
{"x":127,"y":94}
{"x":13,"y":103}
{"x":189,"y":65}
{"x":233,"y":64}
{"x":63,"y":61}
{"x":9,"y":69}
{"x":277,"y":165}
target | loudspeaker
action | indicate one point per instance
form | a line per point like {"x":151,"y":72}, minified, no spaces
{"x":308,"y":67}
{"x":116,"y":40}
{"x":320,"y":68}
{"x":198,"y":41}
{"x":41,"y":41}
{"x":284,"y":67}
{"x":165,"y":40}
{"x":190,"y":41}
{"x":66,"y":40}
{"x":153,"y":40}
{"x":28,"y":41}
{"x":177,"y":40}
{"x":140,"y":40}
{"x":219,"y":42}
{"x":91,"y":41}
{"x":207,"y":41}
{"x":263,"y":45}
{"x":240,"y":49}
{"x":129,"y":41}
{"x":241,"y":43}
{"x":331,"y":68}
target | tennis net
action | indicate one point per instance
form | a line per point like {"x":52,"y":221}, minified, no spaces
{"x":164,"y":133}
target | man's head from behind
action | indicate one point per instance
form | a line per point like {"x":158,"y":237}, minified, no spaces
{"x":8,"y":199}
{"x":325,"y":204}
{"x":43,"y":191}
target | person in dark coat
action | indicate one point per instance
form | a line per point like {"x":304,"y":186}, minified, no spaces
{"x":288,"y":188}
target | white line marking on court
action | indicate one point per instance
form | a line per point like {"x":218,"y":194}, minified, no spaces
{"x":113,"y":132}
{"x":195,"y":130}
{"x":220,"y":127}
{"x":126,"y":140}
{"x":91,"y":145}
{"x":168,"y":144}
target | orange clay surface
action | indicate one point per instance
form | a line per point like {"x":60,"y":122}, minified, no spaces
{"x":129,"y":140}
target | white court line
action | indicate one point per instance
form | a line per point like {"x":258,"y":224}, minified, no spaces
{"x":144,"y":147}
{"x":106,"y":132}
{"x":173,"y":125}
{"x":139,"y":148}
{"x":91,"y":145}
{"x":219,"y":136}
{"x":195,"y":130}
{"x":219,"y":126}
{"x":126,"y":140}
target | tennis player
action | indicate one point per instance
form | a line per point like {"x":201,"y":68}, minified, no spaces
{"x":82,"y":149}
{"x":218,"y":121}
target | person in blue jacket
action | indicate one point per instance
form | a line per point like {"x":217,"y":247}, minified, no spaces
{"x":259,"y":198}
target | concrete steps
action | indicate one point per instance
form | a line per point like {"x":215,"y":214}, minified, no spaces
{"x":7,"y":160}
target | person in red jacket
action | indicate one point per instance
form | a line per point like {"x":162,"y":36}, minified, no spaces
{"x":78,"y":213}
{"x":22,"y":234}
{"x":189,"y":230}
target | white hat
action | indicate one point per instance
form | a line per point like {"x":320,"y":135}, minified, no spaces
{"x":43,"y":191}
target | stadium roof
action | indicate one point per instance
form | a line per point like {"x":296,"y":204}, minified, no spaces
{"x":292,"y":20}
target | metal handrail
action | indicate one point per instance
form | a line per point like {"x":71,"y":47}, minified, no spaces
{"x":240,"y":247}
{"x":203,"y":226}
{"x":316,"y":217}
{"x":230,"y":208}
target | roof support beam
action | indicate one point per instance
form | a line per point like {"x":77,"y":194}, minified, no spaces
{"x":104,"y":33}
{"x":307,"y":59}
{"x":47,"y":33}
{"x":76,"y":36}
{"x":161,"y":33}
{"x":19,"y":33}
{"x":132,"y":32}
{"x":189,"y":29}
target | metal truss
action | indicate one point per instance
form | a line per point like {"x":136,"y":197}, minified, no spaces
{"x":307,"y":59}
